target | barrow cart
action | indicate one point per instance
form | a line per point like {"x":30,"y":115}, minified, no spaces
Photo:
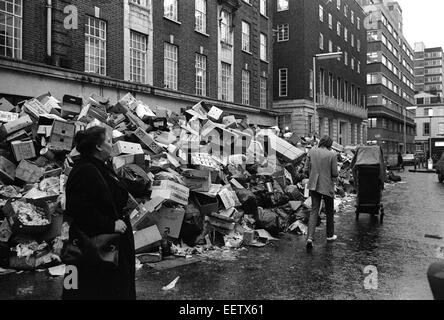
{"x":369,"y":175}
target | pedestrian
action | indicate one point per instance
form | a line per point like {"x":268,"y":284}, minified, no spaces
{"x":400,"y":161}
{"x":322,"y":166}
{"x":95,"y":200}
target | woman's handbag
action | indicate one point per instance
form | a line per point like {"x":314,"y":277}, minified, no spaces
{"x":99,"y":250}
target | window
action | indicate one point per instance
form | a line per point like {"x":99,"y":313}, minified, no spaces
{"x":201,"y":16}
{"x":372,"y":36}
{"x":321,"y":41}
{"x":372,"y":122}
{"x":339,"y":50}
{"x":245,"y":36}
{"x":352,"y":16}
{"x":358,"y":45}
{"x":227,"y":82}
{"x":373,"y":78}
{"x":330,"y":21}
{"x":330,"y":46}
{"x":283,"y":32}
{"x":346,"y":10}
{"x":346,"y":58}
{"x":95,"y":46}
{"x":138,"y":50}
{"x":321,"y":13}
{"x":264,"y":47}
{"x":427,"y":112}
{"x":345,"y":34}
{"x":338,"y":28}
{"x":352,"y":40}
{"x":226,"y":34}
{"x":263,"y":93}
{"x":170,"y":66}
{"x":11,"y":28}
{"x":263,"y":7}
{"x":358,"y":67}
{"x":338,"y":4}
{"x":201,"y":75}
{"x":358,"y":23}
{"x":282,"y":5}
{"x":283,"y":82}
{"x":426,"y":128}
{"x":170,"y":9}
{"x":352,"y":61}
{"x":245,"y":87}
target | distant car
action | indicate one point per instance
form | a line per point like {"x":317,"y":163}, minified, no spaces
{"x":409,"y":159}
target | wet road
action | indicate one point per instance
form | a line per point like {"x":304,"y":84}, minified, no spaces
{"x":282,"y":270}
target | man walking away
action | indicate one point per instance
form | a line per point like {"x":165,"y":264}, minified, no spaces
{"x":322,"y":165}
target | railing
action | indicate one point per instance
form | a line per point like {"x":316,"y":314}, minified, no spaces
{"x":334,"y":104}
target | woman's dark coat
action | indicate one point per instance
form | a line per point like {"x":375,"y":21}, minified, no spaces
{"x":95,"y":204}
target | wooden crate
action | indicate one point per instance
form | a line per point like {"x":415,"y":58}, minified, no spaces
{"x":62,"y":135}
{"x":7,"y":170}
{"x":23,"y":150}
{"x":29,"y":172}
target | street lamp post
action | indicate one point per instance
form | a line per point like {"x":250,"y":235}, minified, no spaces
{"x":430,"y":146}
{"x":321,"y":56}
{"x":405,"y":126}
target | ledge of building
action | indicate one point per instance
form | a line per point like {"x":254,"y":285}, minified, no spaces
{"x":83,"y":77}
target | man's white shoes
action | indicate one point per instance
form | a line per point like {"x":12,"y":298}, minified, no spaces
{"x":334,"y":238}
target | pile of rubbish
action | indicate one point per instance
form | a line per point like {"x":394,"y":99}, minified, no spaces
{"x":200,"y":181}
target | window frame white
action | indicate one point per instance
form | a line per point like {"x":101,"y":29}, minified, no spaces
{"x":171,"y":64}
{"x":139,"y":54}
{"x":168,"y":13}
{"x":13,"y":42}
{"x":201,"y":81}
{"x":246,"y":80}
{"x":246,"y":37}
{"x":200,"y":16}
{"x":283,"y":82}
{"x":263,"y":52}
{"x":99,"y":40}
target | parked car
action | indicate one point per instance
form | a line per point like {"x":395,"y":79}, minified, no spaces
{"x":409,"y":159}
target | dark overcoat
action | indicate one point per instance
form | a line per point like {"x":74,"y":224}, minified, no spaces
{"x":94,"y":204}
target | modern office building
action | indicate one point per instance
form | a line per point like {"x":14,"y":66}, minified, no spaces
{"x":429,"y":74}
{"x":390,"y":77}
{"x":429,"y":120}
{"x":169,"y":53}
{"x":303,"y":29}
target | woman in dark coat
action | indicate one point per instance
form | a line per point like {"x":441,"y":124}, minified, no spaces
{"x":95,"y":200}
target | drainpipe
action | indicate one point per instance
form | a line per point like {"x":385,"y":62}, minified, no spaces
{"x":49,"y":27}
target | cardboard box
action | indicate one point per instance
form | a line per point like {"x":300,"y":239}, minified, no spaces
{"x":169,"y":190}
{"x":122,"y":160}
{"x":16,"y":125}
{"x":29,"y":172}
{"x":123,"y":147}
{"x":229,"y":121}
{"x":62,"y":135}
{"x":34,"y":108}
{"x":148,"y":141}
{"x":23,"y":150}
{"x":197,"y":180}
{"x":229,"y":198}
{"x":8,"y":116}
{"x":90,"y":113}
{"x":5,"y":105}
{"x":72,"y":106}
{"x":168,"y":220}
{"x":215,"y":113}
{"x":221,"y":223}
{"x":284,"y":148}
{"x":147,"y":239}
{"x":7,"y":170}
{"x":127,"y":101}
{"x":19,"y":135}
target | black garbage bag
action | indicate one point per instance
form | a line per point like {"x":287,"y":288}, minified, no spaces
{"x":294,"y":194}
{"x":248,"y":201}
{"x":268,"y":220}
{"x":264,"y":199}
{"x":135,"y":179}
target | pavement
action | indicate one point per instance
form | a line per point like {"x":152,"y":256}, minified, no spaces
{"x":399,"y":250}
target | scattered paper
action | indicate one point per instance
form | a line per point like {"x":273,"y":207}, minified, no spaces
{"x":171,"y":285}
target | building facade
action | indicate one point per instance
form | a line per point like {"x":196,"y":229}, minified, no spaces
{"x":390,"y":78}
{"x":303,"y":29}
{"x":429,"y":120}
{"x":169,"y":53}
{"x":429,"y":74}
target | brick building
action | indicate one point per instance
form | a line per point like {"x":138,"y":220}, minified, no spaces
{"x":170,"y":53}
{"x":390,"y":78}
{"x":305,"y":28}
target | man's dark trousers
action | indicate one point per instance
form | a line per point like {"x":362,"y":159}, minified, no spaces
{"x":316,"y":205}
